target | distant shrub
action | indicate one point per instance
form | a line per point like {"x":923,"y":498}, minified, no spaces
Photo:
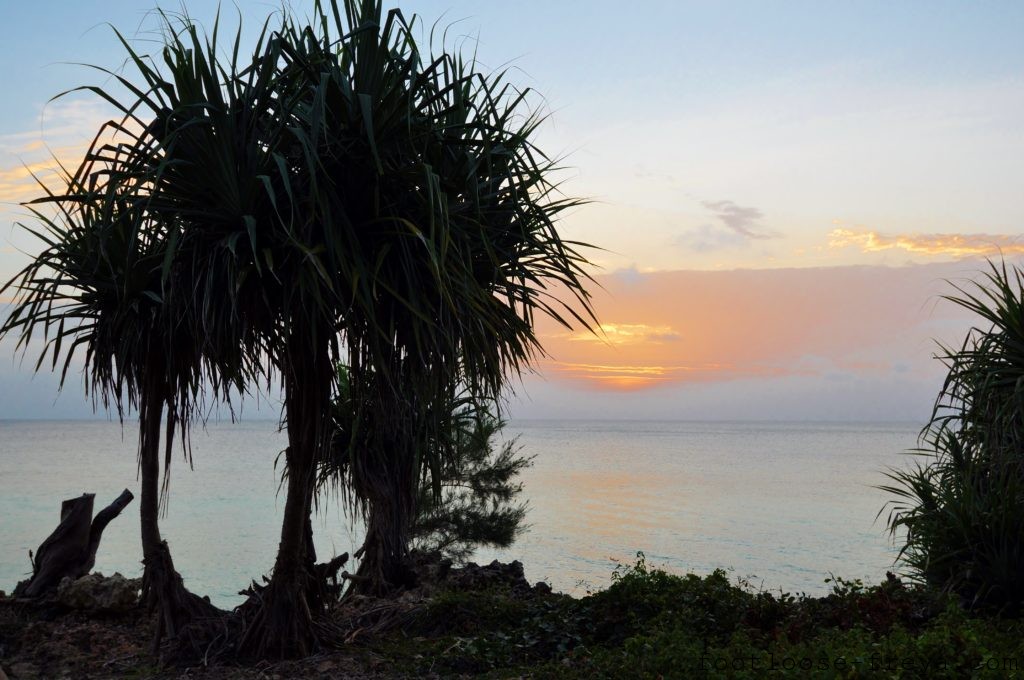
{"x":641,"y":597}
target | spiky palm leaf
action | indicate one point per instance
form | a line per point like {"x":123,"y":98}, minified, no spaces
{"x":962,"y":508}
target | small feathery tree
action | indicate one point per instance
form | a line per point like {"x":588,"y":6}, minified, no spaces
{"x":478,"y":504}
{"x":467,"y":492}
{"x":962,"y":509}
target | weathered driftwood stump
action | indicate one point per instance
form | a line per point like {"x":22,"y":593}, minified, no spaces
{"x":71,"y":549}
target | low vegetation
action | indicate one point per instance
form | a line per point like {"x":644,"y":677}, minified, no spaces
{"x":648,"y":623}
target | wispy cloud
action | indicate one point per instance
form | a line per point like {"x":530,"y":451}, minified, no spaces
{"x":736,"y":227}
{"x":22,"y":183}
{"x":33,"y":156}
{"x":948,"y":245}
{"x":60,"y":121}
{"x":742,"y":220}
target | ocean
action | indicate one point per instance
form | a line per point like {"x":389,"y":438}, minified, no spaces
{"x":781,"y":505}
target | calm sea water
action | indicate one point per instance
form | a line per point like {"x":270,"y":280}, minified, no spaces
{"x":782,"y":504}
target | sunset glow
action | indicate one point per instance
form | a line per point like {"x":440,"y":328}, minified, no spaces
{"x":629,"y":378}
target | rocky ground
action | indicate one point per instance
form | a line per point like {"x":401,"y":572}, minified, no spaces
{"x":95,"y":628}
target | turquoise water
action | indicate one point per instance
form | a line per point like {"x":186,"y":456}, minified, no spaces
{"x":783,"y":504}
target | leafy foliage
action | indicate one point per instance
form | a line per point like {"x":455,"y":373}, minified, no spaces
{"x":337,"y":196}
{"x":128,"y":240}
{"x":963,"y":507}
{"x":127,"y":276}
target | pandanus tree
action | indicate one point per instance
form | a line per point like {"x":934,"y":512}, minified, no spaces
{"x":102,"y":286}
{"x":224,"y":173}
{"x":439,"y":213}
{"x":962,"y":507}
{"x":407,"y":231}
{"x":243,"y":286}
{"x":127,"y":275}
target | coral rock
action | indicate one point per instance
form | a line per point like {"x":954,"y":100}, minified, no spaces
{"x":99,"y":593}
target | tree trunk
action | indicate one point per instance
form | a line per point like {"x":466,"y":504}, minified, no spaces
{"x":70,"y":551}
{"x":387,"y":481}
{"x":384,"y":567}
{"x":283,"y":625}
{"x":162,"y":588}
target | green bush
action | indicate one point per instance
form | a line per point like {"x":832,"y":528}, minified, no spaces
{"x":653,"y":624}
{"x":641,"y":597}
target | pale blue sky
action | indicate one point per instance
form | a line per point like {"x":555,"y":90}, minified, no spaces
{"x":712,"y":135}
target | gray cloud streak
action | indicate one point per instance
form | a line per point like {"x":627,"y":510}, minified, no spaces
{"x":741,"y":220}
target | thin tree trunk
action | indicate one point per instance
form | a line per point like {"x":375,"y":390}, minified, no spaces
{"x":162,"y":588}
{"x":150,"y":415}
{"x":283,"y":626}
{"x":384,"y":567}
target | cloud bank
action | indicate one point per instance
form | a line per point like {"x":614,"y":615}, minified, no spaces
{"x":829,"y":342}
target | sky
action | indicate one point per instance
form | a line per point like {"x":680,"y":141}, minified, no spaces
{"x":779,"y":191}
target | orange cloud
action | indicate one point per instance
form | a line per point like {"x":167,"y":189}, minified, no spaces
{"x":616,"y":377}
{"x":21,"y":183}
{"x":950,"y":245}
{"x":625,"y":334}
{"x":628,"y":378}
{"x":67,"y":126}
